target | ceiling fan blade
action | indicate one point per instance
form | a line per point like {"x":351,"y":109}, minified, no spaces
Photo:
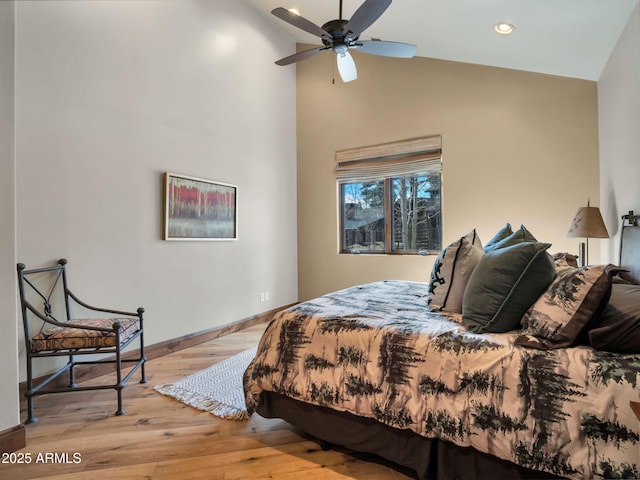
{"x":296,"y":57}
{"x":346,"y":67}
{"x":386,"y":49}
{"x":364,"y":17}
{"x":300,"y":22}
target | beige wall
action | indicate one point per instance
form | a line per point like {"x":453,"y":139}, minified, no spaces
{"x":517,"y":147}
{"x":112,"y":94}
{"x":9,"y":407}
{"x":619,"y":117}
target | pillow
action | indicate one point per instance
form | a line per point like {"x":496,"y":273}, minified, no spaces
{"x":503,"y":233}
{"x":564,"y":261}
{"x":558,"y":317}
{"x":618,"y":328}
{"x":519,"y":236}
{"x":625,"y":276}
{"x":504,"y":284}
{"x":451,"y":271}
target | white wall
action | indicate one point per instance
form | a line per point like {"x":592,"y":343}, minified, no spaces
{"x":619,"y":126}
{"x":9,"y":406}
{"x":109,"y":95}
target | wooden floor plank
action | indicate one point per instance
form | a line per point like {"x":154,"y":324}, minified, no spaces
{"x":163,"y":439}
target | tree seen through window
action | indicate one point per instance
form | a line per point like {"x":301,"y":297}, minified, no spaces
{"x":392,"y":215}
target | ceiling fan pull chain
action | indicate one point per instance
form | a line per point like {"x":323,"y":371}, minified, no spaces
{"x":333,"y":70}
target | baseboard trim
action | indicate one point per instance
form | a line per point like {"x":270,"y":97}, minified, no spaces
{"x":160,"y":349}
{"x":13,"y":439}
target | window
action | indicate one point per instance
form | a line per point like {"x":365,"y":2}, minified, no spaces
{"x":390,"y":198}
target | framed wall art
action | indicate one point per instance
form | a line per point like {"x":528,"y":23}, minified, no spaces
{"x":199,"y":209}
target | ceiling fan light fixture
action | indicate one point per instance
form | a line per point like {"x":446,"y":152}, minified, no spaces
{"x":504,"y":28}
{"x":340,"y":49}
{"x":346,"y":67}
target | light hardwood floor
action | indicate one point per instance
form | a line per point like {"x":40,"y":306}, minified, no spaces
{"x":161,"y":438}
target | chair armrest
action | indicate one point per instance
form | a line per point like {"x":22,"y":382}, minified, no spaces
{"x":139,"y":313}
{"x":50,"y":319}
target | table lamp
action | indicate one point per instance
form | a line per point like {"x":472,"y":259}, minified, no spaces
{"x":587,"y":223}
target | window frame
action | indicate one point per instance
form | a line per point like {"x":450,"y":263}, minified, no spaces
{"x":379,"y":163}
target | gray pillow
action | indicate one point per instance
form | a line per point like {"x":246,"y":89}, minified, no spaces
{"x":451,"y":272}
{"x":504,"y":284}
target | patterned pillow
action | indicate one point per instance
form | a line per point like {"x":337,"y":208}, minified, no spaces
{"x":560,"y":314}
{"x":451,"y":272}
{"x":564,"y":261}
{"x":504,"y":284}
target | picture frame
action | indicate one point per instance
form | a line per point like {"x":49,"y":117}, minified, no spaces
{"x":199,"y":209}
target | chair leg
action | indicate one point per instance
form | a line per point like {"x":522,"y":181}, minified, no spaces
{"x":72,"y":378}
{"x":143,"y":378}
{"x":30,"y":417}
{"x":29,"y":394}
{"x":120,"y":410}
{"x":119,"y":385}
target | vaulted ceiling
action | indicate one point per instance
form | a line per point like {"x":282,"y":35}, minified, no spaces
{"x":571,"y":38}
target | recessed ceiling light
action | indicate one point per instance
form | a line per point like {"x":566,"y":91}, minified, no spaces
{"x":295,"y":11}
{"x":504,"y":28}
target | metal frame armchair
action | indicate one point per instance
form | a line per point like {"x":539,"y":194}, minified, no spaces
{"x":106,"y":332}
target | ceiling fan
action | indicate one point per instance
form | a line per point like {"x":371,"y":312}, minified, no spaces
{"x":342,"y":35}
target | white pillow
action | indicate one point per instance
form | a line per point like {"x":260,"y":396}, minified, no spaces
{"x":451,"y":272}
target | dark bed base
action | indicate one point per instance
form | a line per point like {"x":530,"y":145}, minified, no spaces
{"x":430,"y":458}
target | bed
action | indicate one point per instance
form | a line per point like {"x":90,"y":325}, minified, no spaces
{"x":397,"y":369}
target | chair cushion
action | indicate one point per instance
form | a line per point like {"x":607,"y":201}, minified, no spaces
{"x":64,"y":338}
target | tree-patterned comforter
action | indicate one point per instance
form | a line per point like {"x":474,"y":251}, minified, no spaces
{"x":377,"y":351}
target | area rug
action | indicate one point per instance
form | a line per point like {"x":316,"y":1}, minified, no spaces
{"x":217,"y":389}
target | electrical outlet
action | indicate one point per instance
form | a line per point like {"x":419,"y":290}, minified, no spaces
{"x":262,"y":297}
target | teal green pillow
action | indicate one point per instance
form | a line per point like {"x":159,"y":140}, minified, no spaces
{"x":503,"y":233}
{"x":504,"y":284}
{"x":519,"y":236}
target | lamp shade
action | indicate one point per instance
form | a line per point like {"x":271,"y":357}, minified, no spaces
{"x":588,"y":223}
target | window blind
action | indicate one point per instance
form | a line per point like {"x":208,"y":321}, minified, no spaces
{"x":398,"y":159}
